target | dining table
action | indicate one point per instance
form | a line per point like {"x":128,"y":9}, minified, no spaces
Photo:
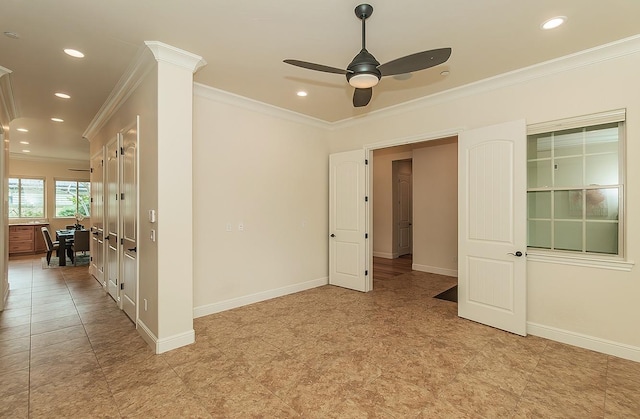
{"x":65,"y":238}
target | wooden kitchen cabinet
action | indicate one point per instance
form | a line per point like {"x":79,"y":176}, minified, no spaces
{"x":26,"y":239}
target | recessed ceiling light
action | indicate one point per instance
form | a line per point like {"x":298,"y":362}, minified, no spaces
{"x":24,"y":142}
{"x":554,"y":22}
{"x":444,"y":73}
{"x":301,"y":93}
{"x":57,"y":120}
{"x":26,"y":151}
{"x":23,"y":130}
{"x":12,"y":35}
{"x":74,"y":53}
{"x":63,"y":95}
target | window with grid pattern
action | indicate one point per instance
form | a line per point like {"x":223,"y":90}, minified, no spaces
{"x":575,"y":187}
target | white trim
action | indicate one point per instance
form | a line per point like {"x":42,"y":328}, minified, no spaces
{"x":130,"y":80}
{"x":147,"y":334}
{"x":418,"y":138}
{"x":165,"y":344}
{"x":227,"y":98}
{"x":8,"y":109}
{"x":175,"y":341}
{"x":604,"y":346}
{"x":562,"y":259}
{"x":207,"y":309}
{"x":435,"y":270}
{"x":170,"y":54}
{"x":385,"y":255}
{"x":613,"y":50}
{"x":617,"y":115}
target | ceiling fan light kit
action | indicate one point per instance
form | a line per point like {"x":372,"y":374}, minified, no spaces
{"x":365,"y":71}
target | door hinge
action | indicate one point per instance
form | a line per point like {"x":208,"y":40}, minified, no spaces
{"x":91,"y":170}
{"x":122,"y":285}
{"x":121,"y":240}
{"x":91,"y":258}
{"x":366,"y":235}
{"x":122,"y":196}
{"x":121,"y":151}
{"x":366,"y":161}
{"x":91,"y":199}
{"x":366,"y":199}
{"x":116,"y":197}
{"x":366,"y":273}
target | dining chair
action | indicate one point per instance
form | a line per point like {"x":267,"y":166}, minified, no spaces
{"x":80,"y":243}
{"x":51,"y":245}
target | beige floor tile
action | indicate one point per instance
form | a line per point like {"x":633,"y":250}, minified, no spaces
{"x":14,"y":362}
{"x":477,"y":397}
{"x":14,"y":382}
{"x":15,"y":406}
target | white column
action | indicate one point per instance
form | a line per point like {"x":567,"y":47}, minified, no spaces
{"x":175,"y":199}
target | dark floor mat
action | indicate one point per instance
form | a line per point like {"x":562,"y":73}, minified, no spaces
{"x":450,"y":295}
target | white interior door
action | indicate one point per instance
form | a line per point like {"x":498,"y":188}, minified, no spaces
{"x":97,"y":217}
{"x":129,"y":211}
{"x":403,"y":213}
{"x":492,"y":226}
{"x":112,"y":220}
{"x":347,"y":221}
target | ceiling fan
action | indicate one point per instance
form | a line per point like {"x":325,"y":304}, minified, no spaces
{"x":365,"y":71}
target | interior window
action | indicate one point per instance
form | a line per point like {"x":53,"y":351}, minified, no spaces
{"x":574,"y":189}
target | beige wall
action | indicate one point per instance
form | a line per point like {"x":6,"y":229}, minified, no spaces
{"x":586,"y":304}
{"x":51,"y":170}
{"x":269,"y":173}
{"x":382,"y":198}
{"x":435,"y":207}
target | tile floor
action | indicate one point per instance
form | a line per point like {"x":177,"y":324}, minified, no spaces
{"x":66,"y":351}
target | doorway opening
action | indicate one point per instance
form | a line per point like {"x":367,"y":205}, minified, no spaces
{"x":415,"y":208}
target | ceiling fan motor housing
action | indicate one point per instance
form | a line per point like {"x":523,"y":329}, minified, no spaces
{"x":363,"y":63}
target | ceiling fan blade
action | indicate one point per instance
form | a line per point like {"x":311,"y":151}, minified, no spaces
{"x":316,"y":67}
{"x":361,"y":97}
{"x":415,"y":62}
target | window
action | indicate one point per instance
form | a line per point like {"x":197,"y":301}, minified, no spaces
{"x":575,"y":185}
{"x":72,"y":197}
{"x":26,"y":198}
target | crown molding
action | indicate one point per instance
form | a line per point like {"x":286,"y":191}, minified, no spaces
{"x":133,"y":76}
{"x":130,"y":80}
{"x":20,"y":156}
{"x":169,"y":54}
{"x":585,"y":58}
{"x":8,"y":108}
{"x":222,"y":96}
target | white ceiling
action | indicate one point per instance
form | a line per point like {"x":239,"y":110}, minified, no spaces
{"x":244,"y":43}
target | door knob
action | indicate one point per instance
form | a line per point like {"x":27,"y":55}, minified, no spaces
{"x":517,"y":254}
{"x":333,"y":235}
{"x":134,"y":249}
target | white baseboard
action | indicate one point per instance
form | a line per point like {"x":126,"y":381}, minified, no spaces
{"x":604,"y":346}
{"x":435,"y":270}
{"x":205,"y":310}
{"x":385,"y":255}
{"x":175,"y":341}
{"x":147,"y":334}
{"x":165,"y":344}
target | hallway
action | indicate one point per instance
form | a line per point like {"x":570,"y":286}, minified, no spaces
{"x":67,"y":351}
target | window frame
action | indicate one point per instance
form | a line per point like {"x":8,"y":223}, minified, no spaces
{"x":44,"y":197}
{"x":583,"y":258}
{"x":55,"y":199}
